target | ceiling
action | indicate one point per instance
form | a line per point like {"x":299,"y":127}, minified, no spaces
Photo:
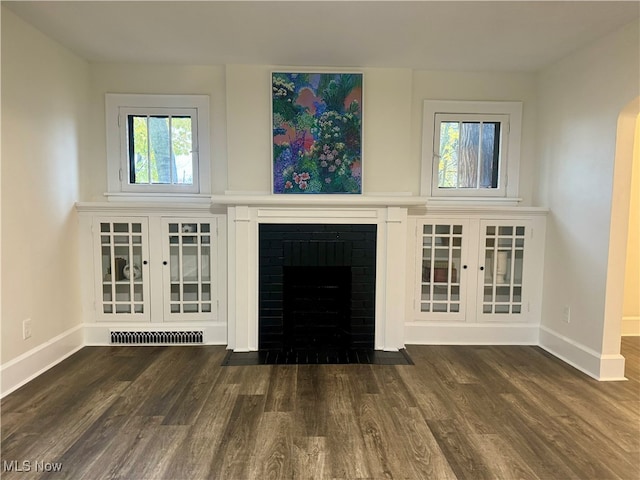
{"x":452,"y":35}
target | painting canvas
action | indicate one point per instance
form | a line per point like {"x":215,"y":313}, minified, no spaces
{"x":317,"y":133}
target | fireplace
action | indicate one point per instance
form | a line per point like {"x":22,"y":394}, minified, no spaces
{"x":254,"y":312}
{"x":316,"y":287}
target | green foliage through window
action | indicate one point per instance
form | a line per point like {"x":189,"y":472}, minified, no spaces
{"x":160,"y":149}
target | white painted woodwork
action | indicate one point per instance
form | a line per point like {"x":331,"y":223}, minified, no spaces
{"x":398,"y":263}
{"x":462,"y":314}
{"x":157,"y":304}
{"x":246,"y":212}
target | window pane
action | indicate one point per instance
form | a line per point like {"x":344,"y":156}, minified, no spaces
{"x":182,"y":147}
{"x":489,"y":155}
{"x":469,"y":154}
{"x":160,"y":150}
{"x":139,"y":154}
{"x":448,"y":165}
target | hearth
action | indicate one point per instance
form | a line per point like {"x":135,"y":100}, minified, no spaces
{"x":316,"y":288}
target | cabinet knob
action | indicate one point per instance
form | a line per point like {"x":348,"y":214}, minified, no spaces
{"x":464,"y":266}
{"x":144,"y":262}
{"x":482,"y":268}
{"x":164,"y":263}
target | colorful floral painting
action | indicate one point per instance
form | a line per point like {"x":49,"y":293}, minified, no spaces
{"x":317,"y":132}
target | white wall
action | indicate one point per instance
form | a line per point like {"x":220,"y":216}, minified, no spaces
{"x":44,"y":93}
{"x":387,"y":163}
{"x":241,"y":122}
{"x":631,"y":305}
{"x":580,"y":99}
{"x":152,"y":79}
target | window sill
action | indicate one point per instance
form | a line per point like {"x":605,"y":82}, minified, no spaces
{"x":158,"y":197}
{"x":470,"y":201}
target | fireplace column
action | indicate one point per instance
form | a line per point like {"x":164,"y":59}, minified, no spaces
{"x":392,"y":255}
{"x":242,"y":274}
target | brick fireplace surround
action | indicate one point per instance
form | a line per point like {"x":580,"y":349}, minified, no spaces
{"x":316,"y":287}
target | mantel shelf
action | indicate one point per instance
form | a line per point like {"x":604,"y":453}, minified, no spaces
{"x":311,"y":202}
{"x":347,"y":201}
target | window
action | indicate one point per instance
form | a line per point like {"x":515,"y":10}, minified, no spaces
{"x":471,"y":149}
{"x":158,"y":144}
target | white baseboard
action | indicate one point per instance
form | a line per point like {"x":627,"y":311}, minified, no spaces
{"x":100,"y":334}
{"x":630,"y":326}
{"x":434,"y":333}
{"x":601,"y":367}
{"x":36,"y":361}
{"x":29,"y":365}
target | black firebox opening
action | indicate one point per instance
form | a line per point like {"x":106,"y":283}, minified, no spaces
{"x":317,"y":308}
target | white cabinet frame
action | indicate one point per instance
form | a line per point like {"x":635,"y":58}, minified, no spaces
{"x":470,"y":324}
{"x":98,"y":326}
{"x":120,"y":252}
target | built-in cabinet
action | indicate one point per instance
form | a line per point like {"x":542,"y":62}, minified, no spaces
{"x":456,"y":275}
{"x":154,"y":267}
{"x":476,"y":269}
{"x":128,"y":259}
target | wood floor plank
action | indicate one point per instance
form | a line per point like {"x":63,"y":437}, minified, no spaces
{"x":239,"y":439}
{"x":381,"y":460}
{"x":611,"y":456}
{"x":51,"y":438}
{"x":347,"y":454}
{"x":531,"y":446}
{"x":273,"y":455}
{"x":108,"y":461}
{"x":390,"y":382}
{"x":504,"y":461}
{"x":561,"y":441}
{"x":460,"y":450}
{"x":311,"y":401}
{"x":91,"y":444}
{"x":309,"y":458}
{"x":499,"y":412}
{"x":282,"y":383}
{"x":195,"y":457}
{"x":428,"y":393}
{"x":424,"y":457}
{"x":188,"y":405}
{"x":150,"y":457}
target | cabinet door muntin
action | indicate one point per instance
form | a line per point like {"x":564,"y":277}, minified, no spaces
{"x":122,"y":253}
{"x":503,"y":251}
{"x":190,"y":267}
{"x":441,"y":265}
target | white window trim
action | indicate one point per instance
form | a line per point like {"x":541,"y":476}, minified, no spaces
{"x":510,"y":161}
{"x":115,"y":104}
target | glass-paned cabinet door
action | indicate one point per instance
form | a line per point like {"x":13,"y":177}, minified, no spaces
{"x":189,"y":269}
{"x":502,"y":269}
{"x":122,"y":266}
{"x":442,"y":256}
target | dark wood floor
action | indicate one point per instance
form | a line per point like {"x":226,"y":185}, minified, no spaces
{"x":460,"y":412}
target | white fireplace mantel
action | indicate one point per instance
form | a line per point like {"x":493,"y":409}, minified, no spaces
{"x":310,"y":200}
{"x":247,"y":212}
